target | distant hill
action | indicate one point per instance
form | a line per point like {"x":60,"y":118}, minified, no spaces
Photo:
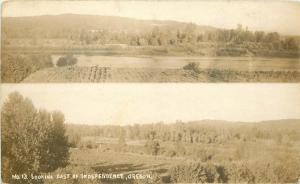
{"x":288,"y":123}
{"x":284,"y":123}
{"x":283,"y":126}
{"x":91,"y":22}
{"x":274,"y":123}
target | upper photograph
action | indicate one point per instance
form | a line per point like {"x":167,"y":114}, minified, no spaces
{"x":150,"y":41}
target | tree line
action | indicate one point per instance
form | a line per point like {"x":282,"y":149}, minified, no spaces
{"x":96,"y":30}
{"x":33,"y":141}
{"x":191,"y":132}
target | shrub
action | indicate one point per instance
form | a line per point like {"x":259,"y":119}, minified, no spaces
{"x":153,"y":147}
{"x":197,"y":172}
{"x":202,"y":154}
{"x":240,"y":172}
{"x":192,"y":66}
{"x":170,"y":153}
{"x":74,"y":140}
{"x":67,"y":60}
{"x":278,"y":168}
{"x":217,"y":75}
{"x":87,"y":144}
{"x":16,"y":67}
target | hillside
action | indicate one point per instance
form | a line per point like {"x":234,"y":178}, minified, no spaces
{"x":13,"y":26}
{"x":282,"y":123}
{"x":290,"y":123}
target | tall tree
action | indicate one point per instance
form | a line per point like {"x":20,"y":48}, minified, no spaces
{"x":32,"y":141}
{"x":58,"y":145}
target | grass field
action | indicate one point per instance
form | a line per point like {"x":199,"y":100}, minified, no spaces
{"x":101,"y":161}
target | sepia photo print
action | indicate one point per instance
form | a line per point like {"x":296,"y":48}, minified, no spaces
{"x":150,"y":91}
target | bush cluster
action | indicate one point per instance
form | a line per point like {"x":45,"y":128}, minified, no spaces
{"x":68,"y":60}
{"x":273,"y":170}
{"x":16,"y":67}
{"x":198,"y":172}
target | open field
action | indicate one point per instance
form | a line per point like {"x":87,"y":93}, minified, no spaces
{"x":108,"y":74}
{"x":100,"y":68}
{"x":36,"y":68}
{"x":195,"y":152}
{"x":133,"y":160}
{"x":97,"y":160}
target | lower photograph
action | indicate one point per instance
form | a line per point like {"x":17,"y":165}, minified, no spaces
{"x":150,"y":133}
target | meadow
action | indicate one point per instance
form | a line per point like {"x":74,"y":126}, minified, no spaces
{"x":220,"y":153}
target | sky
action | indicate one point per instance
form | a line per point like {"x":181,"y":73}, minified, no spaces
{"x":121,"y":104}
{"x":280,"y":16}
